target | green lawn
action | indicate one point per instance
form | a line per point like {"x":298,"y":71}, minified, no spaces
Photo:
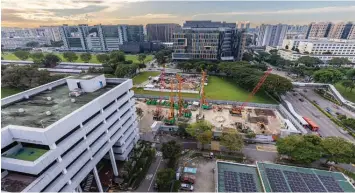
{"x":134,"y":58}
{"x":5,"y":92}
{"x":28,"y":154}
{"x":346,"y":94}
{"x":143,"y":76}
{"x":219,"y":89}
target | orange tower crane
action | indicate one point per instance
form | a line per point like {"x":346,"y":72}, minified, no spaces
{"x":171,"y":112}
{"x":180,"y":101}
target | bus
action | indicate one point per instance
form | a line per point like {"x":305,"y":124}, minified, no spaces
{"x":312,"y":125}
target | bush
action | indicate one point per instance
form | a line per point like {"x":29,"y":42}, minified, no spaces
{"x":230,"y":157}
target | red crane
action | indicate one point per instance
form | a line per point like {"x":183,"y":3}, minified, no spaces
{"x":238,"y":110}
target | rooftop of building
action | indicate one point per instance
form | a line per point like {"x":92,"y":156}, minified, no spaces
{"x":33,"y":111}
{"x":208,"y":24}
{"x":282,"y":178}
{"x":26,"y":153}
{"x":233,"y":177}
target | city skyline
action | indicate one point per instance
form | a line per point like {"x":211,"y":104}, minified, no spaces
{"x":32,"y":13}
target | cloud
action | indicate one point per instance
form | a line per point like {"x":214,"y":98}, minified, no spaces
{"x":284,"y":12}
{"x":149,"y":16}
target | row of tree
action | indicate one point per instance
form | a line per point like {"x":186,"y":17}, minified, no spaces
{"x":347,"y":121}
{"x":25,"y":77}
{"x":309,"y":148}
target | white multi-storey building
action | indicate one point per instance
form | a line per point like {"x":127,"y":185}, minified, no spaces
{"x":335,"y":47}
{"x":52,"y":32}
{"x":321,"y":46}
{"x":20,"y":42}
{"x":50,"y":141}
{"x":293,"y":56}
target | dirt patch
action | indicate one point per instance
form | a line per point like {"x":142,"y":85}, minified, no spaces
{"x":264,"y":112}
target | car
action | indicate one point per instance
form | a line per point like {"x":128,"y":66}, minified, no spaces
{"x":300,"y":99}
{"x":187,"y":187}
{"x":186,"y":178}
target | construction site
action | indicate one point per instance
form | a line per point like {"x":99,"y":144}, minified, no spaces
{"x":189,"y":83}
{"x":245,"y":119}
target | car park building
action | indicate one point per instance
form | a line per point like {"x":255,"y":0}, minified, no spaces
{"x":50,"y":141}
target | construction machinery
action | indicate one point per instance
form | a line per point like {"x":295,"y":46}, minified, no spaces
{"x":180,"y":100}
{"x":170,"y":120}
{"x":237,"y":111}
{"x":203,"y":102}
{"x":158,"y":113}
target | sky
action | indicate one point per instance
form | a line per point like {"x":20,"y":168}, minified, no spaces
{"x":33,"y":13}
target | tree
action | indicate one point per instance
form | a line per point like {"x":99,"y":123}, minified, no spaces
{"x":70,"y":56}
{"x":32,"y":44}
{"x":250,"y":135}
{"x":351,"y":74}
{"x":22,"y":55}
{"x":171,"y":150}
{"x":37,"y":57}
{"x":51,"y":60}
{"x":303,"y":149}
{"x":25,"y":77}
{"x":57,"y":43}
{"x":348,"y":84}
{"x":232,"y":140}
{"x":286,"y":47}
{"x":103,"y":58}
{"x":117,"y":57}
{"x":202,"y":131}
{"x":327,"y":75}
{"x":142,"y":57}
{"x":262,"y":56}
{"x":139,"y":112}
{"x":182,"y":128}
{"x":338,"y":150}
{"x":277,"y":84}
{"x":309,"y":61}
{"x":86,"y":57}
{"x":339,"y":61}
{"x":165,"y":179}
{"x":247,"y":56}
{"x":160,"y":58}
{"x":273,"y":51}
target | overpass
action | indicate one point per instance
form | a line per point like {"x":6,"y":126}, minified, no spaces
{"x":350,"y":105}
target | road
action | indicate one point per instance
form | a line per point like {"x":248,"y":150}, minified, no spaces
{"x":147,"y":184}
{"x":326,"y":126}
{"x":324,"y":103}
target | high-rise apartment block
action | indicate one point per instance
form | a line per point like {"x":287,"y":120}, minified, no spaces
{"x":318,"y":30}
{"x":271,"y":35}
{"x":54,"y":135}
{"x":340,"y":30}
{"x":162,"y":32}
{"x":100,"y":37}
{"x":209,"y":41}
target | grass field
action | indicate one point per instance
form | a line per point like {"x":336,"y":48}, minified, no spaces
{"x":28,"y":154}
{"x":143,"y":76}
{"x":8,"y":91}
{"x":346,"y":94}
{"x":219,"y":89}
{"x":134,"y":58}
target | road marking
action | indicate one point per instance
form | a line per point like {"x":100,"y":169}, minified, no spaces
{"x":154,"y":174}
{"x":267,"y":148}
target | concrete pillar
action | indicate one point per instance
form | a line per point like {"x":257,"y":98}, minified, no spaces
{"x":79,"y":189}
{"x":97,"y":179}
{"x":113,"y":162}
